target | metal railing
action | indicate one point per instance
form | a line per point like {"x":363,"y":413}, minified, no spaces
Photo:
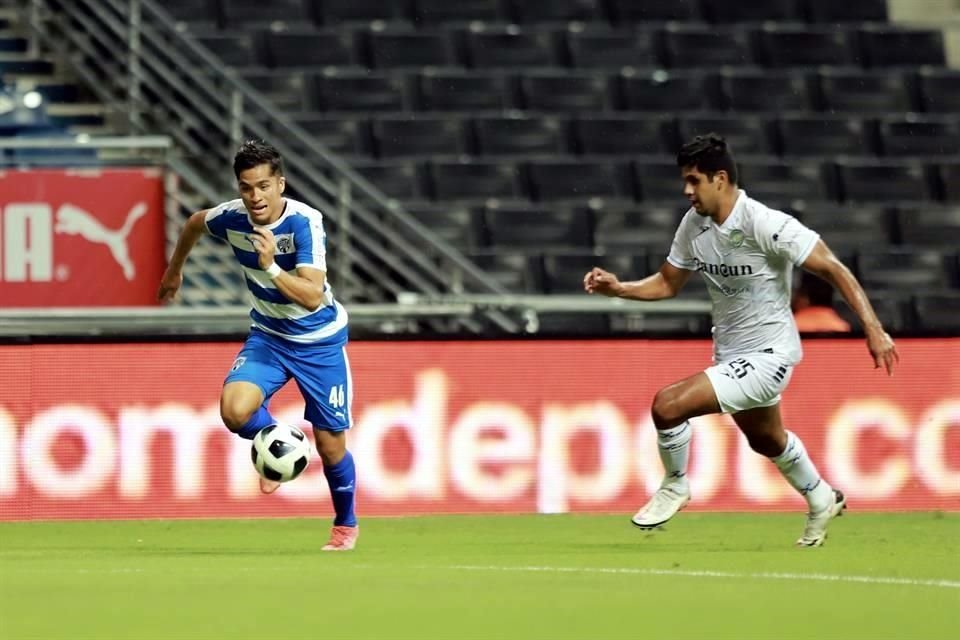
{"x":159,"y":79}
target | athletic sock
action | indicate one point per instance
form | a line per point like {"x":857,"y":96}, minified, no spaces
{"x":260,"y":419}
{"x":797,"y":467}
{"x":674,"y":448}
{"x":342,"y":479}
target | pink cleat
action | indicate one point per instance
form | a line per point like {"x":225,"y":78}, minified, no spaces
{"x":268,"y":486}
{"x":342,"y":539}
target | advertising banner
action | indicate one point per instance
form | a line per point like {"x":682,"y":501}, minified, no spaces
{"x":81,"y":238}
{"x":133,"y":430}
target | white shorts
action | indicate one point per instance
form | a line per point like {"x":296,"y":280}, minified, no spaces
{"x":749,"y":381}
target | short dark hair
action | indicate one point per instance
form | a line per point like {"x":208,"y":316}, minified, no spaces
{"x":708,"y":154}
{"x":254,"y":153}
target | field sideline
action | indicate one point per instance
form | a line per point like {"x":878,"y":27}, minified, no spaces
{"x":572,"y":576}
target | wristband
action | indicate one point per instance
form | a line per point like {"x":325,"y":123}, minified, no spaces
{"x":274,"y":271}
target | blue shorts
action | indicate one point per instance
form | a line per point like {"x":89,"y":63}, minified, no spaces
{"x":322,"y":372}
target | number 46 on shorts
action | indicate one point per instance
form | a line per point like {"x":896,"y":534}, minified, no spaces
{"x":337,"y":398}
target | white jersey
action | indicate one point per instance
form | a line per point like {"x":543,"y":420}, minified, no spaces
{"x":747,"y":263}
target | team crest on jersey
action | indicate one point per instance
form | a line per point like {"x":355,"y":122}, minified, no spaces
{"x":736,"y":238}
{"x":285,"y":243}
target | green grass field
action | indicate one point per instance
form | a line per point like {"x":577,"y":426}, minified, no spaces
{"x":705,"y":576}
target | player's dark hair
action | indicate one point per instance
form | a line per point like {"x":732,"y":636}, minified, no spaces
{"x":708,"y":154}
{"x":254,"y":153}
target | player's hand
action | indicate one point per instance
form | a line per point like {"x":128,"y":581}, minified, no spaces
{"x":883,"y":350}
{"x":603,"y":282}
{"x":169,"y":285}
{"x":265,"y":245}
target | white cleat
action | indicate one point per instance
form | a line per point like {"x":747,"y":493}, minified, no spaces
{"x":816,"y":530}
{"x":662,"y":506}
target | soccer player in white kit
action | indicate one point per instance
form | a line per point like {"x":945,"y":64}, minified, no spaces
{"x":746,"y":253}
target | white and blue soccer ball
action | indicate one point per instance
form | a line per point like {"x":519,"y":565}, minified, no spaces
{"x":280,"y":452}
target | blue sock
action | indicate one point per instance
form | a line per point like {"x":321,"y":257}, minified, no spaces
{"x":342,"y":480}
{"x":257,"y":421}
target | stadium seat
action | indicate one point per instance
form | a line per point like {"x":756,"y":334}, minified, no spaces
{"x":235,"y":49}
{"x":396,"y":178}
{"x":627,"y":227}
{"x":669,"y":91}
{"x":813,"y":135}
{"x":633,"y":12}
{"x":926,"y":226}
{"x":563,"y":271}
{"x":775,"y":180}
{"x":398,"y":47}
{"x":452,"y":90}
{"x":310,"y":48}
{"x":885,"y":47}
{"x":475,"y":180}
{"x":858,"y":91}
{"x":581,"y":180}
{"x":520,"y":135}
{"x":891,"y":307}
{"x":333,"y":12}
{"x":559,"y":90}
{"x":939,"y":90}
{"x":689,"y":46}
{"x":437,"y":11}
{"x":667,"y":324}
{"x":419,"y":136}
{"x":905,"y":269}
{"x":573,"y":323}
{"x":457,"y":225}
{"x":288,"y":90}
{"x":758,"y":90}
{"x":831,"y":11}
{"x":791,"y":45}
{"x":919,"y":136}
{"x":537,"y":227}
{"x":937,"y":312}
{"x":361,"y":91}
{"x":659,"y":180}
{"x":516,"y":271}
{"x":751,"y":10}
{"x":883,"y":181}
{"x":509,"y":47}
{"x":949,"y":178}
{"x":744,"y":133}
{"x":597,"y":47}
{"x":343,"y":135}
{"x":625,"y":134}
{"x":240,"y":13}
{"x":540,"y":11}
{"x":845,"y":229}
{"x":205,"y":12}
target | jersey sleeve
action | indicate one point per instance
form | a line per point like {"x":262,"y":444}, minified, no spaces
{"x":311,"y":242}
{"x":216,"y":220}
{"x":681,"y":250}
{"x":781,"y":235}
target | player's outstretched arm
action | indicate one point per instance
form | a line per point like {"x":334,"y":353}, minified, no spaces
{"x":305,"y":288}
{"x":823,"y":263}
{"x":173,"y":276}
{"x":666,"y":283}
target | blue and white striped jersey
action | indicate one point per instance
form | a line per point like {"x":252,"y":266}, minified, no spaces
{"x":301,"y":242}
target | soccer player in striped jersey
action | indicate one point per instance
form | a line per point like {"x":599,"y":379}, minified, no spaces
{"x":299,"y":330}
{"x":746,"y":253}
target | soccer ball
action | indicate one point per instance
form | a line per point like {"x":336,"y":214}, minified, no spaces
{"x":280,"y":452}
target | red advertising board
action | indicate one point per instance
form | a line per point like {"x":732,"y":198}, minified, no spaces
{"x":132,"y":430}
{"x":81,"y":238}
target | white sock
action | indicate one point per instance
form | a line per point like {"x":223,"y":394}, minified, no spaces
{"x":797,"y":467}
{"x":674,"y":446}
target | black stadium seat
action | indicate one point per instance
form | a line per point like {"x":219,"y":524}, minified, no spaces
{"x":744,"y":133}
{"x":886,"y":46}
{"x":237,"y":49}
{"x":919,"y":136}
{"x":629,"y":226}
{"x":292,"y":49}
{"x":752,"y":10}
{"x":540,"y":11}
{"x":396,"y":178}
{"x":457,"y":90}
{"x":345,"y":135}
{"x":846,"y":229}
{"x":237,"y":13}
{"x":581,"y":180}
{"x":831,"y":11}
{"x":823,"y":135}
{"x":631,"y":11}
{"x":398,"y":48}
{"x":693,"y":46}
{"x":419,"y":136}
{"x":625,"y":133}
{"x":904,"y":269}
{"x":519,"y":135}
{"x":659,"y":180}
{"x":929,"y":226}
{"x":515,"y":270}
{"x":669,"y":91}
{"x":777,"y":180}
{"x":362,"y":91}
{"x":859,"y":91}
{"x":880,"y":181}
{"x":604,"y":48}
{"x":459,"y":225}
{"x":939,"y":90}
{"x":792,"y":45}
{"x":332,"y":12}
{"x":558,"y":90}
{"x":937,"y":311}
{"x":475,"y":180}
{"x":563,"y":271}
{"x":758,"y":90}
{"x":509,"y":47}
{"x":537,"y":227}
{"x":437,"y":11}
